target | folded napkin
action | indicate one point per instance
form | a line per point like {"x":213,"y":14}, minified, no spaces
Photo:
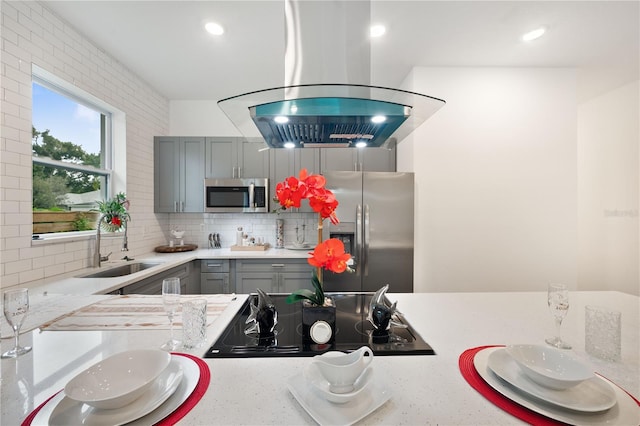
{"x":130,"y":312}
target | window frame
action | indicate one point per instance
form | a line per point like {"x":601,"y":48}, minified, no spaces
{"x":113,"y":140}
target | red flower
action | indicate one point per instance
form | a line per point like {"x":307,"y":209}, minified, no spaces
{"x":292,"y":191}
{"x":115,"y":220}
{"x":330,"y":255}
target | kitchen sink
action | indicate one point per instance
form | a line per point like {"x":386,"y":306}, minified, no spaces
{"x":119,"y":271}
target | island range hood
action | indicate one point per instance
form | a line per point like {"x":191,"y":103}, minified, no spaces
{"x":311,"y":109}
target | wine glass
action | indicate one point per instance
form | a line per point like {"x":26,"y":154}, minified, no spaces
{"x":16,"y":305}
{"x":558,"y":300}
{"x":171,"y":302}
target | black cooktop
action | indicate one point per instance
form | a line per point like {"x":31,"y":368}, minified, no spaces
{"x":353,"y":330}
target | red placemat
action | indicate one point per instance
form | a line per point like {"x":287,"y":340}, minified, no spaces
{"x":178,"y":413}
{"x":470,"y":374}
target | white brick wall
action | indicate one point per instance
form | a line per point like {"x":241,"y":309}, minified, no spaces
{"x":31,"y":34}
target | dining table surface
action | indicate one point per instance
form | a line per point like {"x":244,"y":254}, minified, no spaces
{"x":422,"y":389}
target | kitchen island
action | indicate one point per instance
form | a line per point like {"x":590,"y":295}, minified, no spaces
{"x":424,"y":389}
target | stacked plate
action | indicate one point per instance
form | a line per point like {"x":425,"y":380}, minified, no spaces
{"x":311,"y":390}
{"x":556,"y":385}
{"x":141,"y":386}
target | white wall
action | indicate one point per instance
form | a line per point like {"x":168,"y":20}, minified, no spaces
{"x":608,"y":186}
{"x":495,"y":179}
{"x":31,"y":34}
{"x":199,"y":118}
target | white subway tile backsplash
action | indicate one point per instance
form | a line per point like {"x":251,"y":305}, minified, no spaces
{"x":33,"y":34}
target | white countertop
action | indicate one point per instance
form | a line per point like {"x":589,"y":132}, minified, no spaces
{"x":73,"y":283}
{"x":425,"y":389}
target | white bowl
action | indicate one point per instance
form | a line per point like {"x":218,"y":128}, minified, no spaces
{"x":118,"y":380}
{"x":550,"y":367}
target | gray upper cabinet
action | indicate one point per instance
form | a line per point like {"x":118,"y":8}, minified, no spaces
{"x":289,"y":162}
{"x":359,"y":159}
{"x":178,"y":174}
{"x":236,"y":158}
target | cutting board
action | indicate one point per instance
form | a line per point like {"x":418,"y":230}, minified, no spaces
{"x":176,"y":249}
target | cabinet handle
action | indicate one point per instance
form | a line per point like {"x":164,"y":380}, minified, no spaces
{"x":239,"y":171}
{"x":175,"y":209}
{"x":233,"y":174}
{"x":277,"y":265}
{"x":182,"y":206}
{"x":214,"y":265}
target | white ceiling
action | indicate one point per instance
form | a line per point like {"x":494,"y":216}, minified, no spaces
{"x":164,"y":41}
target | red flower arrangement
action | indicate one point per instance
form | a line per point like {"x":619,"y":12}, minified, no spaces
{"x":329,"y":254}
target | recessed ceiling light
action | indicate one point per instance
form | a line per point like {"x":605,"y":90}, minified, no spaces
{"x":289,"y":145}
{"x":361,"y":144}
{"x":281,"y":119}
{"x":213,"y":28}
{"x":378,"y":119}
{"x":377,"y":30}
{"x":532,"y":35}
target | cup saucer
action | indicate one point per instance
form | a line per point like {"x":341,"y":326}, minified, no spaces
{"x":314,"y":377}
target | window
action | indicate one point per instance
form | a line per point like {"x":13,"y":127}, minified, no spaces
{"x":72,"y":158}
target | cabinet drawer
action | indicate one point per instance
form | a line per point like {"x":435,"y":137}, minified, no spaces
{"x":214,"y":265}
{"x":272,"y":265}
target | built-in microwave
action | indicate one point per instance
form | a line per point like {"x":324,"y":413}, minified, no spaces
{"x":236,"y":195}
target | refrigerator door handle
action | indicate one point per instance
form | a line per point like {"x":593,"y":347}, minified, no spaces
{"x":358,"y":248}
{"x":365,"y":242}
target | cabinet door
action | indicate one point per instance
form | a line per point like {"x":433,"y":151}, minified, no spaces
{"x":192,"y":164}
{"x":248,"y":282}
{"x":221,"y":158}
{"x":214,"y":283}
{"x":166,"y":153}
{"x":377,"y":159}
{"x":253,"y":159}
{"x":343,"y":159}
{"x":282,"y":165}
{"x":359,"y":159}
{"x":291,"y":281}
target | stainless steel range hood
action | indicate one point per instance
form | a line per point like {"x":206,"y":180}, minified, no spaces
{"x":313,"y":108}
{"x":330,"y":115}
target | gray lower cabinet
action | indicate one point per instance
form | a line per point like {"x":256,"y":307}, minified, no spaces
{"x":153,"y":285}
{"x":215,"y":277}
{"x":178,"y":174}
{"x":272,"y":276}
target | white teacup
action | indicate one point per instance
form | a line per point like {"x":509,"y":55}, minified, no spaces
{"x":342,"y":370}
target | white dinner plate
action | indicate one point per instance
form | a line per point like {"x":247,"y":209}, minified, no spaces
{"x":592,"y":395}
{"x":328,"y":413}
{"x":624,"y":412}
{"x":161,"y":400}
{"x":314,"y":377}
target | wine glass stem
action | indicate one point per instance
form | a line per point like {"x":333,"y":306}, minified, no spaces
{"x":16,"y":334}
{"x":558,"y":324}
{"x":171,"y":326}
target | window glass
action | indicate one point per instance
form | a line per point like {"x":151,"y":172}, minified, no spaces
{"x":71,"y":170}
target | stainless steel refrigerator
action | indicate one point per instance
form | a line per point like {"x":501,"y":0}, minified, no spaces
{"x":376,"y":225}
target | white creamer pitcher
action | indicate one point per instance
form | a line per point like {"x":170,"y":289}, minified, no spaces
{"x":342,"y":370}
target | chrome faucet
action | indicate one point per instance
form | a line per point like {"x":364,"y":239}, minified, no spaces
{"x":125,"y":240}
{"x":99,"y":258}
